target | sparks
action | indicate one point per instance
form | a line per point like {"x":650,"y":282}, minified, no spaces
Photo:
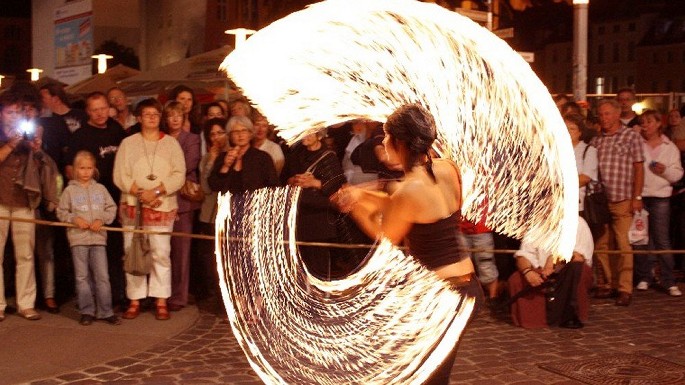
{"x":345,"y":59}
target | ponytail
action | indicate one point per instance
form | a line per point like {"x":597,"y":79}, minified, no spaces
{"x":429,"y":166}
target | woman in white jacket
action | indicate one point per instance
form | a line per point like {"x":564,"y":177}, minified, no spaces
{"x":662,"y":169}
{"x":150,"y":168}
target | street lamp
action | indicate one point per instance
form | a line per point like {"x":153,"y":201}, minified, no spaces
{"x":240,"y":34}
{"x":102,"y":61}
{"x":580,"y":26}
{"x":35,"y":73}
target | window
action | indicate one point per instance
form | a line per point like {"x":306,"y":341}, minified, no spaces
{"x":669,"y":86}
{"x":630,"y":81}
{"x":600,"y":54}
{"x":655,"y":86}
{"x":631,"y":51}
{"x":616,"y":57}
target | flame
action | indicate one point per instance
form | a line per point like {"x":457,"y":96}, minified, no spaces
{"x":361,"y":59}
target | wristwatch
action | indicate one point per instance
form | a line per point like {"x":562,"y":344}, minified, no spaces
{"x":638,"y":198}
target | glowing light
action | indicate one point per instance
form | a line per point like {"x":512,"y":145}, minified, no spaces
{"x":240,"y":35}
{"x":393,"y":321}
{"x":638,"y":107}
{"x":35,"y":73}
{"x":102,"y":62}
{"x":495,"y":118}
{"x":1,"y":77}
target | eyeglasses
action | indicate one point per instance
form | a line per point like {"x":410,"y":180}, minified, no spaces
{"x":217,"y":133}
{"x":241,"y":131}
{"x":151,"y":115}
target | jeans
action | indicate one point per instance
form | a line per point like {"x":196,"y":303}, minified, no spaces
{"x":659,"y":210}
{"x":484,"y":260}
{"x":92,"y":260}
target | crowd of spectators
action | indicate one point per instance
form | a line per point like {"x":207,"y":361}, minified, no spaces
{"x":174,"y":159}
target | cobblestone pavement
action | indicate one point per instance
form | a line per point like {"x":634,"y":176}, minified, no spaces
{"x":492,"y":351}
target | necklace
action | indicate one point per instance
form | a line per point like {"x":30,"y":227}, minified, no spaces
{"x":151,"y":175}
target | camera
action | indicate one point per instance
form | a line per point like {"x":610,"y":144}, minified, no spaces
{"x":27,"y":129}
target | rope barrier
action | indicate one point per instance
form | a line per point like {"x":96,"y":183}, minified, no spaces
{"x":301,"y":243}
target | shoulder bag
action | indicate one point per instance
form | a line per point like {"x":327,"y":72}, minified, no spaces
{"x":138,"y":258}
{"x":596,"y":204}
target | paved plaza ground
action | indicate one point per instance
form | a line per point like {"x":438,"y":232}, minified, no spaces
{"x":639,"y":344}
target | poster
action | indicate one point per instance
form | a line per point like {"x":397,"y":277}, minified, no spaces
{"x":74,"y":41}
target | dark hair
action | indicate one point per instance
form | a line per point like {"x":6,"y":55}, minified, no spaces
{"x":56,"y":89}
{"x":194,"y":114}
{"x":580,"y":121}
{"x":27,"y":93}
{"x":414,"y":126}
{"x":207,"y":128}
{"x":149,"y":102}
{"x":9,"y":99}
{"x":570,"y":107}
{"x":182,"y":88}
{"x":214,"y":104}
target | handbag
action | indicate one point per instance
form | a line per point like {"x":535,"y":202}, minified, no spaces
{"x":596,"y":204}
{"x":138,"y":257}
{"x":638,"y":234}
{"x":192,"y":191}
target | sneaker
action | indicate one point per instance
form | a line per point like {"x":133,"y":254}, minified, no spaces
{"x":643,"y":285}
{"x":86,"y":319}
{"x":673,"y":291}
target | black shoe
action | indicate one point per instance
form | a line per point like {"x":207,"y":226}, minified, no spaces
{"x":86,"y":319}
{"x":603,"y":293}
{"x":623,"y":299}
{"x":112,"y":320}
{"x":573,"y":323}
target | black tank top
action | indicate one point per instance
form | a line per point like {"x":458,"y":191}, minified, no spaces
{"x":436,"y":244}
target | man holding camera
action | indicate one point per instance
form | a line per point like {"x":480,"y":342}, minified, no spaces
{"x":26,"y":180}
